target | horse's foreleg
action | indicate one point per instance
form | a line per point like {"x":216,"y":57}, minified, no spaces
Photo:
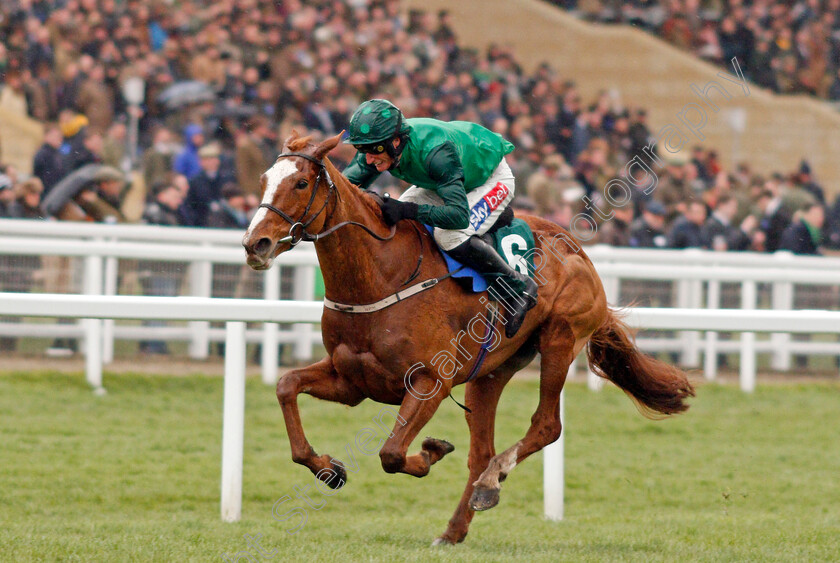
{"x":416,"y":410}
{"x":319,"y":380}
{"x":557,"y":345}
{"x":482,"y":397}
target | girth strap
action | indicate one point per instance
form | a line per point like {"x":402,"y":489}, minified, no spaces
{"x":391,"y":299}
{"x":491,"y":317}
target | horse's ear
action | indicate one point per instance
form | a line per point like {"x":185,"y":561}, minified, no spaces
{"x":291,"y":138}
{"x":327,"y":145}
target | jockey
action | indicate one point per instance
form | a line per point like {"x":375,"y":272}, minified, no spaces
{"x":461,"y":185}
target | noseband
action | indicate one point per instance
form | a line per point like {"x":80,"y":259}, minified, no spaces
{"x":297,"y":231}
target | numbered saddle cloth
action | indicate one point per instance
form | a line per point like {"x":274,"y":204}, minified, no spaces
{"x":513,"y":242}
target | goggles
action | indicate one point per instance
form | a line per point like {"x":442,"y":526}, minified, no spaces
{"x":373,"y":148}
{"x":382,"y":146}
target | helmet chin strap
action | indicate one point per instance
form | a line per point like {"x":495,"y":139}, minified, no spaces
{"x":395,"y":152}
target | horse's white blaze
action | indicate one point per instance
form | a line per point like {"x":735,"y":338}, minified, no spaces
{"x":256,"y":220}
{"x":274,"y":176}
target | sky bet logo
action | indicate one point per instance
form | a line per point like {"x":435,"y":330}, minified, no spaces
{"x":482,"y":210}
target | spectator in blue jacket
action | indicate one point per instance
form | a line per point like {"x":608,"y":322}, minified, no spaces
{"x":188,"y":162}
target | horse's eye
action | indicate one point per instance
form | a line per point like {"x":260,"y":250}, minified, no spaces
{"x":302,"y":184}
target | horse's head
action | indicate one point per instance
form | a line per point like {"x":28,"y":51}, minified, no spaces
{"x":295,"y":193}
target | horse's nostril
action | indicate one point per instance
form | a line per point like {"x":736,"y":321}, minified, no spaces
{"x":263,"y":246}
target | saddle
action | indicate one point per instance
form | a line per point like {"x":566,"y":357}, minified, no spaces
{"x":513,"y":240}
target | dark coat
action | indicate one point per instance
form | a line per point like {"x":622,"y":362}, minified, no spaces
{"x":203,"y":191}
{"x":773,"y":226}
{"x":735,"y":238}
{"x":27,"y":212}
{"x":797,"y":239}
{"x":614,"y":232}
{"x":643,"y":235}
{"x":685,"y":234}
{"x":48,"y":166}
{"x":815,"y":190}
{"x":11,"y":210}
{"x":223,"y":216}
{"x":78,"y":155}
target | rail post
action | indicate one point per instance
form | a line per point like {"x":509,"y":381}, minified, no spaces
{"x":710,"y":360}
{"x":93,"y":327}
{"x":201,"y":285}
{"x":554,"y":471}
{"x":111,"y":274}
{"x":233,"y":423}
{"x":747,"y":375}
{"x":304,"y":290}
{"x":270,"y":358}
{"x":782,"y":300}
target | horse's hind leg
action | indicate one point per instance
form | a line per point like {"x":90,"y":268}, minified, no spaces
{"x":557,"y":347}
{"x":482,"y":397}
{"x":319,"y":380}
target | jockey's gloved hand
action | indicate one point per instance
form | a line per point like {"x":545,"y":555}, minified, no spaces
{"x":394,"y":210}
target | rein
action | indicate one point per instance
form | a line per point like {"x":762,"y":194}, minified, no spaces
{"x":297,"y":231}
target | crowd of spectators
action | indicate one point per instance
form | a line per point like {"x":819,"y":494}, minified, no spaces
{"x":263,"y":68}
{"x":786,"y":46}
{"x":735,"y":212}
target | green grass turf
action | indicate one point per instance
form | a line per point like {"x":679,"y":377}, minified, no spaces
{"x":135,"y":476}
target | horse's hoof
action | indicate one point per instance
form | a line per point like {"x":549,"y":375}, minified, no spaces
{"x":484,"y":499}
{"x":442,"y":541}
{"x":339,"y":479}
{"x":440,"y":447}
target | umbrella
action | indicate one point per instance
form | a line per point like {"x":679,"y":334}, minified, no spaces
{"x":72,"y":184}
{"x":241,"y":112}
{"x":186,"y":92}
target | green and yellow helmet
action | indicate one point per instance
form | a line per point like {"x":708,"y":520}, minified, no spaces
{"x":374,"y":122}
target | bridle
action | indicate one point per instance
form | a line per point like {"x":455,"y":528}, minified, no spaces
{"x":297,"y":231}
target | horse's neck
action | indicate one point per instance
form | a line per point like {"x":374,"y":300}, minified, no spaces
{"x":356,"y":267}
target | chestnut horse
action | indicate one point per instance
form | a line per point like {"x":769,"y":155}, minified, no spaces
{"x":386,"y":355}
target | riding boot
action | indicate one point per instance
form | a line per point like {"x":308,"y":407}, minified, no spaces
{"x":517,"y":292}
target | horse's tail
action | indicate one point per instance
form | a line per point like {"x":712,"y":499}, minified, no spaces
{"x":655,"y":386}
